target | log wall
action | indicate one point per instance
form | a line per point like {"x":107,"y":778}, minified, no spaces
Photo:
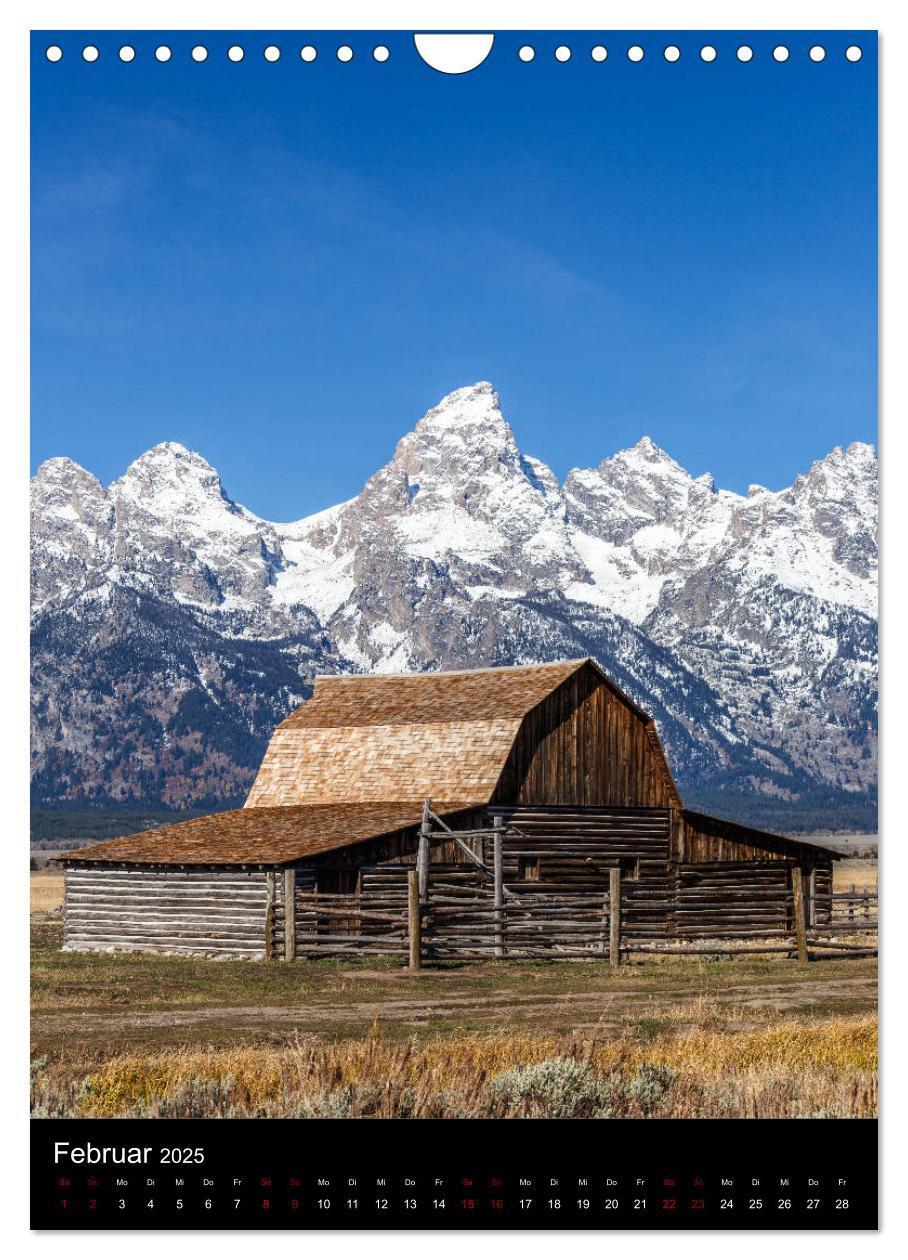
{"x":215,"y":913}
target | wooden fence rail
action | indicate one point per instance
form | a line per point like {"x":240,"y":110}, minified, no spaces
{"x":455,"y":921}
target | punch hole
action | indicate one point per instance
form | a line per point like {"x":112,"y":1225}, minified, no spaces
{"x":853,"y":53}
{"x":127,"y":53}
{"x":308,"y":53}
{"x":526,"y":53}
{"x":454,"y":54}
{"x":199,"y":53}
{"x":236,"y":53}
{"x":162,"y":53}
{"x":817,"y":53}
{"x":672,"y":53}
{"x":599,"y":53}
{"x":54,"y":53}
{"x":562,"y":53}
{"x":345,"y":53}
{"x":381,"y":53}
{"x":708,"y":53}
{"x":635,"y":53}
{"x":780,"y":53}
{"x":90,"y":53}
{"x":745,"y":53}
{"x":272,"y":53}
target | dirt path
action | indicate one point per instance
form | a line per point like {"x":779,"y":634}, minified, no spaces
{"x":607,"y":1008}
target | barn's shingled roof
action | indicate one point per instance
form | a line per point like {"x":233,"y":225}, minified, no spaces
{"x":263,"y":837}
{"x":467,"y":695}
{"x":403,"y":736}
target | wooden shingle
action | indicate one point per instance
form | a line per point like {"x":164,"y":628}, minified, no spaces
{"x":261,"y":837}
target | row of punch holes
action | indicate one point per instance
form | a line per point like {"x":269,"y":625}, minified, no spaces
{"x":526,"y":53}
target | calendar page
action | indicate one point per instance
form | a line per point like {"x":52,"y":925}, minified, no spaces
{"x":454,"y":629}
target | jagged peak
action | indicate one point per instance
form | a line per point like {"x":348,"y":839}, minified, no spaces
{"x":60,"y":468}
{"x":464,"y":406}
{"x":171,"y":475}
{"x":645,"y":452}
{"x":646,"y":446}
{"x":853,"y":465}
{"x":466,"y":426}
{"x":171,"y":454}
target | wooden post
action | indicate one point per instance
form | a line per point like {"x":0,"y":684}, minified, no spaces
{"x":414,"y":925}
{"x":851,"y":904}
{"x":269,"y":915}
{"x":289,"y":914}
{"x":812,"y":899}
{"x":422,"y":857}
{"x":614,"y":913}
{"x":498,"y":875}
{"x":797,"y":892}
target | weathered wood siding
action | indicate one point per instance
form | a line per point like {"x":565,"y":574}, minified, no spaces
{"x":560,"y":852}
{"x":210,"y":912}
{"x":697,"y":838}
{"x":718,"y":899}
{"x":585,"y":745}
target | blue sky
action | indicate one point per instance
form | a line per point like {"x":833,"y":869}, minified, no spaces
{"x":284,"y":265}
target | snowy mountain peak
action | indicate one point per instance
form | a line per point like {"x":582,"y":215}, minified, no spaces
{"x":648,"y":450}
{"x":481,"y":395}
{"x":63,"y":489}
{"x":171,"y":459}
{"x":468,"y":419}
{"x":172,"y":479}
{"x":646,"y":457}
{"x":60,"y":468}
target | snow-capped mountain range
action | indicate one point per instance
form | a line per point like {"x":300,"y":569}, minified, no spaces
{"x":173,"y":628}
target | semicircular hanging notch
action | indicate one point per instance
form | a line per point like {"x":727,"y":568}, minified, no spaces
{"x":453,"y":53}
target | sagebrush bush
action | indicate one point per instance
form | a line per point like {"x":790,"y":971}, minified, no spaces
{"x":649,"y":1085}
{"x":561,"y":1089}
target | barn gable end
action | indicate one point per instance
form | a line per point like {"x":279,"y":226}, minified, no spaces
{"x":587,"y":744}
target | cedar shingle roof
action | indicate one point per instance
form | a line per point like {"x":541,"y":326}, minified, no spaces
{"x":402,"y":736}
{"x":262,"y":836}
{"x":467,"y":695}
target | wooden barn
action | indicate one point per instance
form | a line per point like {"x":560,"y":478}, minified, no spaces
{"x":537,"y":796}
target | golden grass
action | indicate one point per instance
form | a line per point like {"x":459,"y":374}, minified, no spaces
{"x":46,"y":891}
{"x":862,"y":872}
{"x":793,"y":1068}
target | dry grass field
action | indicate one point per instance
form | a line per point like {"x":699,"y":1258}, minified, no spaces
{"x":46,"y":891}
{"x":860,"y":872}
{"x":121,"y":1034}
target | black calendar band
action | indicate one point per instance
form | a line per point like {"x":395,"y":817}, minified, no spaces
{"x":453,"y":1174}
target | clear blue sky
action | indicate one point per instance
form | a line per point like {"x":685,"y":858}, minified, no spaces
{"x":284,"y":265}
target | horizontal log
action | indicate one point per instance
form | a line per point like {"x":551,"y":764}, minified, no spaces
{"x":750,"y":949}
{"x":161,"y":942}
{"x":844,"y":929}
{"x":164,"y":878}
{"x":99,"y":906}
{"x":150,"y":927}
{"x":158,"y":927}
{"x":209,"y":951}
